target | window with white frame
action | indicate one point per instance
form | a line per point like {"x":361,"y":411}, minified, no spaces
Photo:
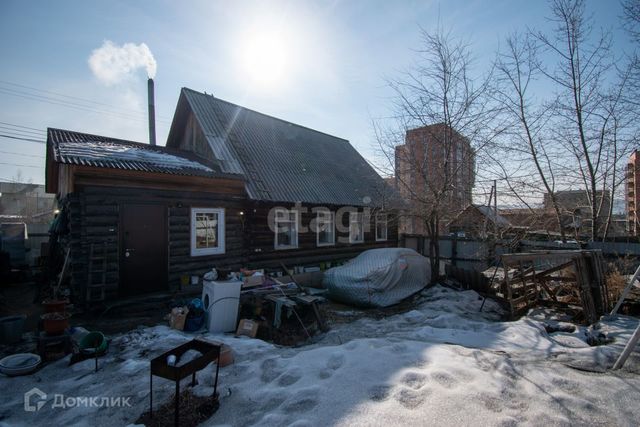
{"x":326,"y":228}
{"x":207,"y":231}
{"x":356,"y":227}
{"x":381,"y":227}
{"x":286,"y":229}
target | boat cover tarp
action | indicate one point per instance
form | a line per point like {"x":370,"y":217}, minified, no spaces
{"x":378,"y":277}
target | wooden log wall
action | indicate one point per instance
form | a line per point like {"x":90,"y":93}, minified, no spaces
{"x":260,"y":239}
{"x":249,"y":241}
{"x":95,"y":217}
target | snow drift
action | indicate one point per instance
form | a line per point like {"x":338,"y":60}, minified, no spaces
{"x":378,"y":277}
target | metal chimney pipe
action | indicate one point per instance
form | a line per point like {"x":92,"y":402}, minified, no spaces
{"x":152,"y":112}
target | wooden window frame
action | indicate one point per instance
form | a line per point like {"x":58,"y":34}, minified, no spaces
{"x":332,"y":219}
{"x":297,"y":229}
{"x":220,"y":249}
{"x":351,"y":221}
{"x":386,"y":227}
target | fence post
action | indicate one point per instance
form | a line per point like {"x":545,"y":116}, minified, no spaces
{"x":454,"y":248}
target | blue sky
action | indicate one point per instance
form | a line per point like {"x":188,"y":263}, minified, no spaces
{"x":335,"y":57}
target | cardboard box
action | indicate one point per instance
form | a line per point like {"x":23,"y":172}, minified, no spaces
{"x":250,"y":281}
{"x":177,"y":317}
{"x":248,"y":328}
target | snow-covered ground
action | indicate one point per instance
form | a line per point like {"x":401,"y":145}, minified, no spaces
{"x":444,"y":363}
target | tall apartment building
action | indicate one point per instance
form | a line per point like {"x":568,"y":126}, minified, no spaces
{"x":436,"y":164}
{"x":633,"y":193}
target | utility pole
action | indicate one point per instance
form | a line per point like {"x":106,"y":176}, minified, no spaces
{"x":495,"y":207}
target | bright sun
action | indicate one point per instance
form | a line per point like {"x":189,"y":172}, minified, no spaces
{"x":264,"y":59}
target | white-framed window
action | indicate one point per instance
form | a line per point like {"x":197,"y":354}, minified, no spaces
{"x":356,"y":227}
{"x":286,"y":229}
{"x":207,"y":231}
{"x":326,"y":228}
{"x":381,"y":227}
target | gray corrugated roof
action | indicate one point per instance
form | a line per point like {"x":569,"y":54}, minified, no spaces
{"x":99,"y":151}
{"x":282,"y":161}
{"x":490,"y":213}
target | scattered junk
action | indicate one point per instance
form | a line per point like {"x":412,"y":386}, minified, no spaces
{"x":19,"y":364}
{"x":54,"y":340}
{"x":181,"y":362}
{"x":572,"y":280}
{"x":248,"y":328}
{"x":279,"y":309}
{"x":378,"y":277}
{"x":178,"y":317}
{"x":188,"y":318}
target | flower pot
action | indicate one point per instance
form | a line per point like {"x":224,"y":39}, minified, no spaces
{"x":55,"y":305}
{"x":55,"y":323}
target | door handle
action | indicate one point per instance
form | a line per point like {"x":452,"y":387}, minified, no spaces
{"x":127,"y":252}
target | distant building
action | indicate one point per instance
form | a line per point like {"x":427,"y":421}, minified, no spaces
{"x":435,"y":164}
{"x":478,"y":221}
{"x":575,"y":209}
{"x":28,"y":203}
{"x":633,"y":193}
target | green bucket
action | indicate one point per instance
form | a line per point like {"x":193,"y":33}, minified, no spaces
{"x":93,"y":340}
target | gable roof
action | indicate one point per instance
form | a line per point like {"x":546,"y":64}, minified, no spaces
{"x":494,"y":217}
{"x":281,"y":161}
{"x":486,"y":211}
{"x":84,"y":149}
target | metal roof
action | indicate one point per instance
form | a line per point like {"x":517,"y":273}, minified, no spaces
{"x":77,"y":148}
{"x":282,"y":161}
{"x":490,"y":213}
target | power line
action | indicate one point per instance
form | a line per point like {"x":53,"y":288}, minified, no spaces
{"x":31,"y":88}
{"x":22,"y":166}
{"x":22,"y":154}
{"x":22,"y":139}
{"x":20,"y":126}
{"x":53,"y":101}
{"x":20,"y":134}
{"x":23,"y":131}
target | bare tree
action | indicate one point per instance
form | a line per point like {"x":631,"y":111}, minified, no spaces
{"x":516,"y":71}
{"x":631,"y":10}
{"x":440,"y":95}
{"x":584,"y":65}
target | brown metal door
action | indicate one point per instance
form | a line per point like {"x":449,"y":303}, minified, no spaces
{"x":143,"y":249}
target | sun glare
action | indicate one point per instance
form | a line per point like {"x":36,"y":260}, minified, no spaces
{"x":265,"y":59}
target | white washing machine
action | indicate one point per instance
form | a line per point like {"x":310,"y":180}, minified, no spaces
{"x":221,"y":300}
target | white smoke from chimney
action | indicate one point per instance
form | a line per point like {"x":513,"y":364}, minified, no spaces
{"x":111,"y":63}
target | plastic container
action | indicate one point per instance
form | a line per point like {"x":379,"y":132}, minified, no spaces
{"x":93,"y":342}
{"x":19,"y":364}
{"x":11,"y":328}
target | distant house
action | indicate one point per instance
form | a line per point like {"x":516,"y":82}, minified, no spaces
{"x":575,"y":210}
{"x":477,"y":221}
{"x":232,"y":188}
{"x":27,"y":202}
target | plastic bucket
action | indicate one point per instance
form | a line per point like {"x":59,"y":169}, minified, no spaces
{"x":11,"y":328}
{"x":94,"y":340}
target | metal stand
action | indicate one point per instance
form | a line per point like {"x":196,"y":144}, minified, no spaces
{"x":160,"y":368}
